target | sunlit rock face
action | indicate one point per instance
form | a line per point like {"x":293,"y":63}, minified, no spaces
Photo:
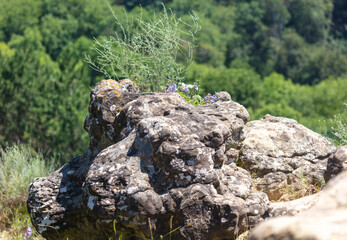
{"x":156,"y":163}
{"x":284,"y":156}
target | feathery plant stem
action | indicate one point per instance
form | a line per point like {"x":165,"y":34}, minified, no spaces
{"x":147,"y":51}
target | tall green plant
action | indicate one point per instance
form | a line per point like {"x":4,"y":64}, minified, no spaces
{"x":19,"y":166}
{"x":339,"y":130}
{"x":147,"y":51}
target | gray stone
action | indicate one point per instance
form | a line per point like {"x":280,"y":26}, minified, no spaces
{"x":152,"y":157}
{"x":285,"y":156}
{"x":224,"y":96}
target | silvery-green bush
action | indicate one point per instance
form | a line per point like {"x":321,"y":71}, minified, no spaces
{"x":147,"y":51}
{"x":20,"y":164}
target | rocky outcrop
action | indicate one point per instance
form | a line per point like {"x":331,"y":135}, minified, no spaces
{"x":156,"y":163}
{"x":337,"y":163}
{"x":285,"y":158}
{"x":326,"y":220}
{"x":151,"y":157}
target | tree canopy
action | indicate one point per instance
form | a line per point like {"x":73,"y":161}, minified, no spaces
{"x":283,"y":57}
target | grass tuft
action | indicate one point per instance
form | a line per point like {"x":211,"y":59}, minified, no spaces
{"x":20,"y":164}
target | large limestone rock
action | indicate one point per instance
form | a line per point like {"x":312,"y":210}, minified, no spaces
{"x":152,"y":157}
{"x":326,"y":220}
{"x":285,"y":158}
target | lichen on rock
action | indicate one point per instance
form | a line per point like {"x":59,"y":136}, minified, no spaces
{"x":154,"y":158}
{"x":151,"y":156}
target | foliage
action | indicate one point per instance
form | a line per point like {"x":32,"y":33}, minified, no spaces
{"x":308,"y":64}
{"x":282,"y":57}
{"x":147,"y":51}
{"x":339,"y":19}
{"x":339,"y":130}
{"x":31,"y":108}
{"x":20,"y":165}
{"x":18,"y":15}
{"x":311,"y":19}
{"x":189,"y":92}
{"x":241,"y":81}
{"x":45,"y":84}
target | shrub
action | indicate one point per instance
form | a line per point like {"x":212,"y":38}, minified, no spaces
{"x":19,"y":166}
{"x":147,"y":51}
{"x":339,"y":130}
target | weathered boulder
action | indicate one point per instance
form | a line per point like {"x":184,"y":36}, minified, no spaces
{"x":326,"y":220}
{"x":285,"y":158}
{"x":152,"y":157}
{"x":292,"y":208}
{"x":337,"y":163}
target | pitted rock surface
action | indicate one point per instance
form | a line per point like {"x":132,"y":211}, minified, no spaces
{"x":325,"y":220}
{"x":337,"y":163}
{"x":152,"y":157}
{"x":284,"y":155}
{"x":107,"y":99}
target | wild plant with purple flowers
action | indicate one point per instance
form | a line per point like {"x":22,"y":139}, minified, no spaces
{"x":191,"y":93}
{"x":28,"y":233}
{"x":212,"y":98}
{"x":339,"y":130}
{"x":172,"y":89}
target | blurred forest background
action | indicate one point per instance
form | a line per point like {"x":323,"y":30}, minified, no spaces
{"x":283,"y":57}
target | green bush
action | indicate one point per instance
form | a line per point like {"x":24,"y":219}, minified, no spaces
{"x":42,"y":101}
{"x":146,"y":51}
{"x":20,"y":164}
{"x":339,"y":130}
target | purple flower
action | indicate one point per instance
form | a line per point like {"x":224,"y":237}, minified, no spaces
{"x":185,"y":90}
{"x":174,"y":87}
{"x":195,"y":86}
{"x":28,"y":233}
